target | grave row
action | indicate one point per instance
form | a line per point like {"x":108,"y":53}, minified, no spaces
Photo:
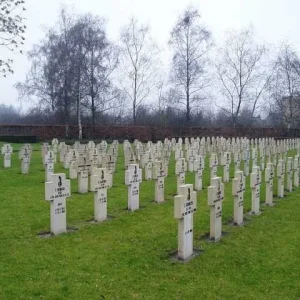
{"x":154,"y":159}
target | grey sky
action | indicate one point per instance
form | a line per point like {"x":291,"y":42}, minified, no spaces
{"x":274,"y":21}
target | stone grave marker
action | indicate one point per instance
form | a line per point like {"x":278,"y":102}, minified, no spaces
{"x":213,"y":164}
{"x":83,"y":170}
{"x":7,"y":151}
{"x":226,"y":161}
{"x":49,"y":165}
{"x":159,"y":176}
{"x":198,"y":168}
{"x":56,"y":191}
{"x":255,"y":182}
{"x":280,"y":177}
{"x":246,"y":159}
{"x":185,"y":205}
{"x":99,"y":184}
{"x":215,"y":199}
{"x":269,"y":177}
{"x":296,"y":171}
{"x":73,"y":169}
{"x":133,"y":178}
{"x":237,"y":161}
{"x":289,"y":174}
{"x":25,"y":161}
{"x":238,"y":189}
{"x":180,"y":170}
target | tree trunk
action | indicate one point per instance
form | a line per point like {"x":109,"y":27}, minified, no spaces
{"x":134,"y":98}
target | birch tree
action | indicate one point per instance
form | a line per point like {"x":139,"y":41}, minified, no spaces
{"x":243,"y":74}
{"x":191,"y":43}
{"x":139,"y":61}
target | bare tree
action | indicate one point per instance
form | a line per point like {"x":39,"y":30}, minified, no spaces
{"x":72,"y":68}
{"x":12,"y":30}
{"x":191,"y":42}
{"x":285,"y":87}
{"x":138,"y":64}
{"x":102,"y":59}
{"x":50,"y":79}
{"x":243,"y":73}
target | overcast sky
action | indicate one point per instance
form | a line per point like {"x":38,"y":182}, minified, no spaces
{"x":275,"y":21}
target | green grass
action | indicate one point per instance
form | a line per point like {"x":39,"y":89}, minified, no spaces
{"x":128,"y":257}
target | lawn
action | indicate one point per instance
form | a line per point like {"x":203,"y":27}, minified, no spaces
{"x":129,"y":256}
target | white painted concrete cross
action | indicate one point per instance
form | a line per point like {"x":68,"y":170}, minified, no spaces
{"x":198,"y":168}
{"x":83,"y":169}
{"x":133,"y":178}
{"x":83,"y":181}
{"x":238,"y":189}
{"x":180,"y":170}
{"x":185,"y":205}
{"x":280,"y":176}
{"x":25,"y":160}
{"x":269,"y":177}
{"x":99,"y":184}
{"x":226,"y":161}
{"x":215,"y":198}
{"x":7,"y":151}
{"x":237,"y":161}
{"x":49,"y":165}
{"x":56,"y":191}
{"x":159,"y":176}
{"x":213,"y":164}
{"x":296,"y":171}
{"x":289,"y":174}
{"x":255,"y":182}
{"x":246,"y":159}
{"x":73,"y":169}
{"x":254,"y":158}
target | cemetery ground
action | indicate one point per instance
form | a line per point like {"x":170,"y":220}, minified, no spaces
{"x":130,"y":255}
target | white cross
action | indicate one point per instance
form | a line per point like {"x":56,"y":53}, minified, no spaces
{"x":289,"y":174}
{"x":296,"y":171}
{"x":255,"y":182}
{"x":237,"y":161}
{"x":159,"y":176}
{"x":185,"y":205}
{"x":25,"y":158}
{"x":215,"y":199}
{"x":280,"y":176}
{"x":56,"y":191}
{"x":7,"y":150}
{"x":238,"y":189}
{"x":213,"y":164}
{"x":180,"y":170}
{"x":226,"y":161}
{"x":133,"y":177}
{"x":49,"y":165}
{"x":269,"y":177}
{"x":246,"y":158}
{"x":198,"y":168}
{"x":99,"y":184}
